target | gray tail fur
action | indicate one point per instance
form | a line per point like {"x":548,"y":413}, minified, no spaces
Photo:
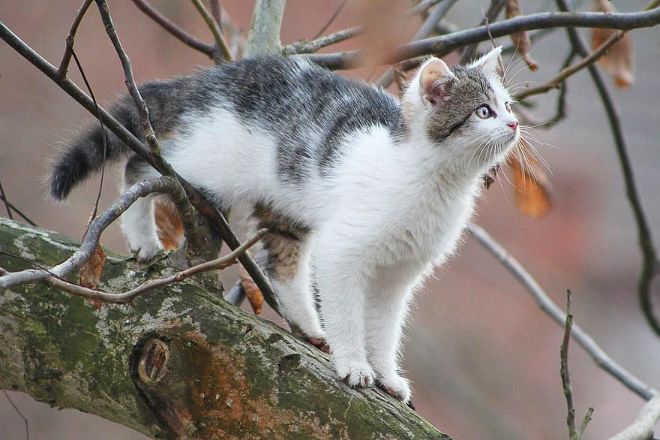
{"x":85,"y":154}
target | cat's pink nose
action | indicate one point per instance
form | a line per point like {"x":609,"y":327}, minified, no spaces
{"x":513,"y":125}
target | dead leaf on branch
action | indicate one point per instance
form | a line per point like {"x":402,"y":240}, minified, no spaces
{"x":169,"y":226}
{"x":254,"y":295}
{"x":531,"y":183}
{"x":520,"y":40}
{"x":618,"y":62}
{"x":90,"y":272}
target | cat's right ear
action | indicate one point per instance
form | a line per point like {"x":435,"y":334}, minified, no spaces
{"x":434,"y":80}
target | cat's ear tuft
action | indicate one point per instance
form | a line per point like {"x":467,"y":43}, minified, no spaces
{"x":489,"y":63}
{"x":434,"y":80}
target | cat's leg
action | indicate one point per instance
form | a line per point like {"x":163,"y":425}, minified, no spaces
{"x":284,"y":253}
{"x":137,"y":223}
{"x":341,"y":281}
{"x":384,"y":319}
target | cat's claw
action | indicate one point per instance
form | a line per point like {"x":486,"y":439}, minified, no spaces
{"x":147,"y":252}
{"x":397,"y":387}
{"x":320,"y":343}
{"x":355,"y":373}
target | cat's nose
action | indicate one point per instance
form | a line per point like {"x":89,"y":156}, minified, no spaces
{"x":513,"y":125}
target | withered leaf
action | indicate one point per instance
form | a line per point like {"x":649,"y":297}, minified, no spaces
{"x":169,"y":226}
{"x":90,"y":272}
{"x":520,"y":40}
{"x":619,"y":59}
{"x":254,"y":295}
{"x":531,"y":184}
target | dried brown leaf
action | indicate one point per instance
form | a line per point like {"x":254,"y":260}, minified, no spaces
{"x":619,"y":59}
{"x":520,"y":40}
{"x":169,"y":226}
{"x":90,"y":272}
{"x":531,"y":184}
{"x":254,"y":295}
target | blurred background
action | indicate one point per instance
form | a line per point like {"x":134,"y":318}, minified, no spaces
{"x":484,"y":360}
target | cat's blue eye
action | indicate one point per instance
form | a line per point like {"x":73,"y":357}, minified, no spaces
{"x":484,"y":111}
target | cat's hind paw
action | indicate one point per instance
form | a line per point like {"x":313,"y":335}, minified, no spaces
{"x":146,"y":252}
{"x":355,"y":373}
{"x":397,"y":387}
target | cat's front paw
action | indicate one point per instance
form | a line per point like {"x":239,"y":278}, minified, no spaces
{"x":397,"y":387}
{"x":145,"y":251}
{"x":354,"y":373}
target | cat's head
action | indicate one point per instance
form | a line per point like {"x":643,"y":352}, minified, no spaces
{"x":465,"y":110}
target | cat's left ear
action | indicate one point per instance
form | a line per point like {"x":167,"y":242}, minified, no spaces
{"x":489,"y":63}
{"x":434,"y":80}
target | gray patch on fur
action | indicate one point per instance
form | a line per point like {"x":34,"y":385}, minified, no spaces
{"x":468,"y":91}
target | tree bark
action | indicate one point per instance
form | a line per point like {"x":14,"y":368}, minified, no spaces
{"x":180,"y":362}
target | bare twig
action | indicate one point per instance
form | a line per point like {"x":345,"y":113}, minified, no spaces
{"x":174,"y":29}
{"x":7,"y":204}
{"x":602,"y":359}
{"x":68,"y":51}
{"x":96,"y":228}
{"x":103,"y":133}
{"x":424,"y":31}
{"x":19,"y":412}
{"x":423,"y":6}
{"x":642,"y":427}
{"x":214,"y":26}
{"x":494,"y":9}
{"x":560,"y":112}
{"x":645,"y":239}
{"x":565,"y":374}
{"x":312,"y":46}
{"x":444,"y":44}
{"x":17,"y":211}
{"x":571,"y":70}
{"x":128,"y":297}
{"x":330,"y":21}
{"x":216,"y":11}
{"x":264,"y":35}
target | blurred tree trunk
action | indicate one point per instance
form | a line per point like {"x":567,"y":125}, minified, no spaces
{"x":181,"y":362}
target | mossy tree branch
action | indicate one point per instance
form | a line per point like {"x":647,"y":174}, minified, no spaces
{"x":180,"y":362}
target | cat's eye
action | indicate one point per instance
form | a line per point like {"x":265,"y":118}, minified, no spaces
{"x":507,"y":106}
{"x":484,"y":111}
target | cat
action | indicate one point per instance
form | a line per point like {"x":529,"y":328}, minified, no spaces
{"x":374,"y":192}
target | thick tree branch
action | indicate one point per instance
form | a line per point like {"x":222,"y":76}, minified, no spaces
{"x":264,"y":35}
{"x":642,"y":426}
{"x":602,"y":359}
{"x":179,"y":363}
{"x":444,"y":44}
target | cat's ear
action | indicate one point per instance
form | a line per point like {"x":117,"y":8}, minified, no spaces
{"x":489,"y":63}
{"x":434,"y":80}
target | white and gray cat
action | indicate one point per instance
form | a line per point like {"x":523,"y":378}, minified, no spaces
{"x":371,"y":192}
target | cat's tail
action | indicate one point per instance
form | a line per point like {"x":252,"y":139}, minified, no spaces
{"x":85,"y":154}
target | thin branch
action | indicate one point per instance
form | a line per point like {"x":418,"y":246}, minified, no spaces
{"x":565,"y":374}
{"x":17,"y":211}
{"x":571,"y":70}
{"x":216,"y":12}
{"x":93,"y":236}
{"x":602,"y":359}
{"x":312,"y":46}
{"x":424,"y":31}
{"x":68,"y":51}
{"x":423,"y":6}
{"x":7,"y":204}
{"x":444,"y":44}
{"x":645,"y":239}
{"x":330,"y":21}
{"x":642,"y":427}
{"x":494,"y":9}
{"x":214,"y":26}
{"x":560,"y":112}
{"x":174,"y":29}
{"x":264,"y":35}
{"x":129,"y":296}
